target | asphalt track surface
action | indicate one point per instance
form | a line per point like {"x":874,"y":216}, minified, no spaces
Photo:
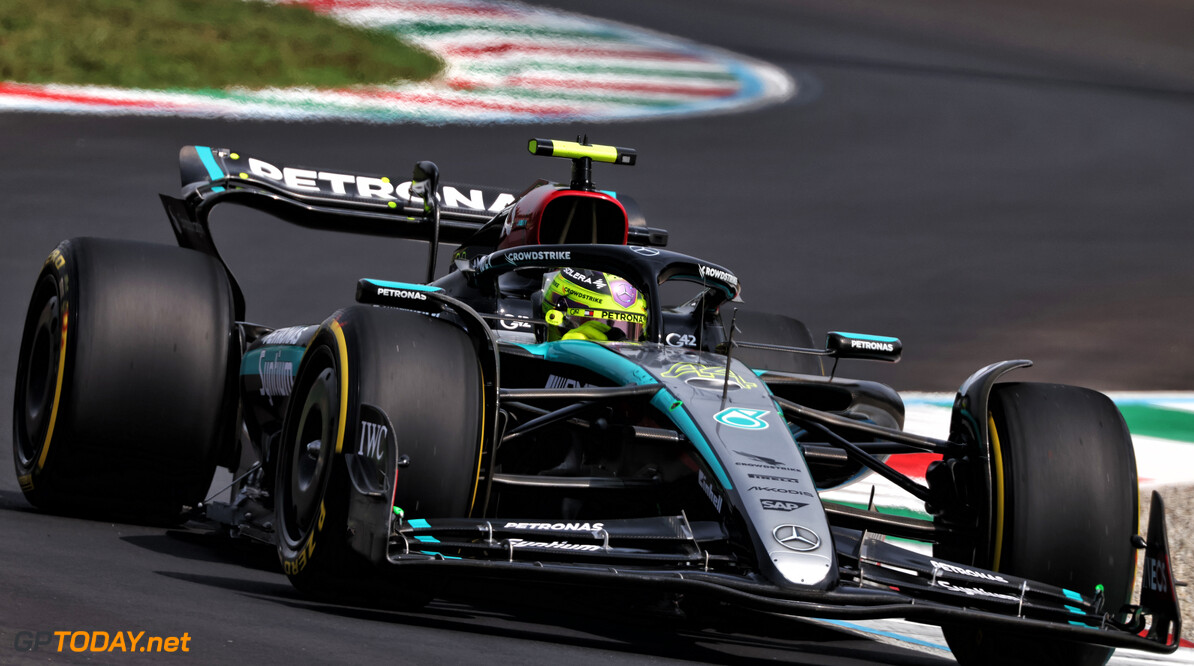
{"x":1008,"y":180}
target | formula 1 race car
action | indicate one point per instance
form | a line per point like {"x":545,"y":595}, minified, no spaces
{"x":571,"y":403}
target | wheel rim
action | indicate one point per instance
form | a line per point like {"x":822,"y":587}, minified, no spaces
{"x":307,"y":447}
{"x":39,"y":370}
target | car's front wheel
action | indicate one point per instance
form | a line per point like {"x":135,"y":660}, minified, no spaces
{"x":1065,"y":510}
{"x":386,"y":412}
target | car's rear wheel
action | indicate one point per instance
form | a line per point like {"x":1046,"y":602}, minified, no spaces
{"x":123,"y":388}
{"x":378,"y":390}
{"x":1065,"y":510}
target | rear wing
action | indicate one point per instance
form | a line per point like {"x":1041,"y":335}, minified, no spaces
{"x":374,"y":204}
{"x":371,"y":204}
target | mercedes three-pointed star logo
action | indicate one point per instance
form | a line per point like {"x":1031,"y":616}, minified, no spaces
{"x":796,"y":537}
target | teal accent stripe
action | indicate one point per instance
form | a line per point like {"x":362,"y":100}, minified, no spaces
{"x":592,"y":356}
{"x":1078,"y":611}
{"x":1070,"y":594}
{"x":418,"y":523}
{"x":209,"y":160}
{"x":538,"y":349}
{"x":427,"y":539}
{"x":864,"y":336}
{"x":402,"y":285}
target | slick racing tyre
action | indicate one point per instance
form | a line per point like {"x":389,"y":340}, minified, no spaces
{"x":125,"y":380}
{"x":1065,"y":510}
{"x":380,"y":393}
{"x":772,"y":329}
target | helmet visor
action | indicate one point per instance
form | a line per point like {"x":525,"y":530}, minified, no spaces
{"x":614,"y":325}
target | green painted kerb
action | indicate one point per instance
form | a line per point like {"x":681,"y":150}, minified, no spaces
{"x":1159,"y":422}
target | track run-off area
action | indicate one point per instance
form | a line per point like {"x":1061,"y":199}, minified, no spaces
{"x":504,"y":62}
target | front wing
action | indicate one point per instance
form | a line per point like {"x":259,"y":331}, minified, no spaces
{"x":670,"y":554}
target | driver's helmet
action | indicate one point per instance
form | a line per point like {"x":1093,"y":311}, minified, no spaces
{"x":592,"y":305}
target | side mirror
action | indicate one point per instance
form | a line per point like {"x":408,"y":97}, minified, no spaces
{"x":862,"y":346}
{"x":424,"y":183}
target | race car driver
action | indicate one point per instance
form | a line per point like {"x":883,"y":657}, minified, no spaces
{"x":592,"y":305}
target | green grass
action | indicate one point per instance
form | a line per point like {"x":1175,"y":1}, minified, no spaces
{"x":159,"y":44}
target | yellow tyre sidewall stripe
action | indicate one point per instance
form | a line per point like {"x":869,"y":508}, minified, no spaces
{"x":480,"y":444}
{"x":302,"y":555}
{"x":342,"y":346}
{"x":45,"y":447}
{"x":997,"y":468}
{"x":342,"y":350}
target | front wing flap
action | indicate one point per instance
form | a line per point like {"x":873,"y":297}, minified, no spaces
{"x":893,"y":567}
{"x":669,"y":539}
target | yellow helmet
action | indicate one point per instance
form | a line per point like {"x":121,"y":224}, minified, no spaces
{"x":592,"y":305}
